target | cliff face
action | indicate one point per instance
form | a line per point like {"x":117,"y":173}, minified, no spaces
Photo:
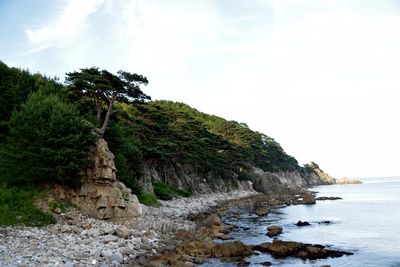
{"x":280,"y":181}
{"x":187,"y":177}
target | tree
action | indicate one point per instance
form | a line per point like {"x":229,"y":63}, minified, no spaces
{"x":47,"y":142}
{"x":104,"y":88}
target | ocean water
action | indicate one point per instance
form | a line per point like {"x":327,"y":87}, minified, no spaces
{"x":366,"y":222}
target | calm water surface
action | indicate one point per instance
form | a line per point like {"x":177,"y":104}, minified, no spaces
{"x":366,"y":222}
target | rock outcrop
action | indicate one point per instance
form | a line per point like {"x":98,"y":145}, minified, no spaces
{"x":186,"y":177}
{"x":283,"y":249}
{"x":282,"y":182}
{"x":101,"y":195}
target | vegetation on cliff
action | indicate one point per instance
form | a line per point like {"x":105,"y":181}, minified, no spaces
{"x":45,"y":131}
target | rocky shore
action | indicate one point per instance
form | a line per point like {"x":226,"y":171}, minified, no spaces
{"x":78,"y":240}
{"x":180,"y":233}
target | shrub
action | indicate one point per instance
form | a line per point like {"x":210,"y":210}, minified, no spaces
{"x":166,"y":192}
{"x":128,"y":157}
{"x":47,"y":143}
{"x":149,"y":200}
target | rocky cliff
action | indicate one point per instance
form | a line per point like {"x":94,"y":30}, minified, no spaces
{"x":280,"y":181}
{"x":188,"y":177}
{"x":101,"y":195}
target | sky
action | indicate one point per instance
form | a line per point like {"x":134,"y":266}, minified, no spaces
{"x":320,"y":77}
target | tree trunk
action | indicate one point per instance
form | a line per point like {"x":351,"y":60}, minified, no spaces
{"x":98,"y":115}
{"x":98,"y":110}
{"x":107,"y":118}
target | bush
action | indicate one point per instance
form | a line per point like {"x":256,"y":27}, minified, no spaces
{"x":149,"y":200}
{"x":166,"y":192}
{"x":47,"y":143}
{"x":17,"y":207}
{"x":128,"y":157}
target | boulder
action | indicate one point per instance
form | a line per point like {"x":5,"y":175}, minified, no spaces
{"x":122,"y":232}
{"x":262,"y":211}
{"x":308,"y":199}
{"x":196,"y":248}
{"x":300,"y":223}
{"x":212,"y":226}
{"x":231,"y":249}
{"x":274,"y":230}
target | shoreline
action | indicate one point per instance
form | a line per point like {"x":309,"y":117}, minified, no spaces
{"x":78,"y":240}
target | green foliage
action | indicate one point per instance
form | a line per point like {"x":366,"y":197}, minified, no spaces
{"x":101,"y":89}
{"x":63,"y":205}
{"x":128,"y":156}
{"x":166,"y":192}
{"x":149,"y":200}
{"x":44,"y":138}
{"x":17,"y":207}
{"x":177,"y":133}
{"x":47,"y":142}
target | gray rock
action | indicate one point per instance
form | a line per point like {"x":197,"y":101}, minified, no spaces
{"x":117,"y":257}
{"x":108,"y":230}
{"x":122,"y":232}
{"x":126,"y":251}
{"x":109,"y":238}
{"x":106,"y":253}
{"x":95,"y":252}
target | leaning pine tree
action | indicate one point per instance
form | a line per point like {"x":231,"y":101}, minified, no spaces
{"x":101,"y":89}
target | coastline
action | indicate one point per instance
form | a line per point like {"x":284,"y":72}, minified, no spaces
{"x":152,"y":240}
{"x":78,"y":240}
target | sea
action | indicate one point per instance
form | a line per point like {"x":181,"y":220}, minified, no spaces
{"x":366,"y":222}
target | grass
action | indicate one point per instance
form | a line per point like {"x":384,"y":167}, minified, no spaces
{"x":166,"y":192}
{"x":149,"y":200}
{"x":17,"y":207}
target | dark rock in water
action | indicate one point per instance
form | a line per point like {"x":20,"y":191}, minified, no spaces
{"x":325,"y":222}
{"x":305,"y":223}
{"x":245,"y":228}
{"x":266,"y":263}
{"x":328,"y":198}
{"x":283,"y":249}
{"x":274,"y":230}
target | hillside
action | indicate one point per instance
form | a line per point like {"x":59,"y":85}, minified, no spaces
{"x":161,"y":148}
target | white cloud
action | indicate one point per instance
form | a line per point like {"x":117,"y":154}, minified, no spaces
{"x":66,"y":28}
